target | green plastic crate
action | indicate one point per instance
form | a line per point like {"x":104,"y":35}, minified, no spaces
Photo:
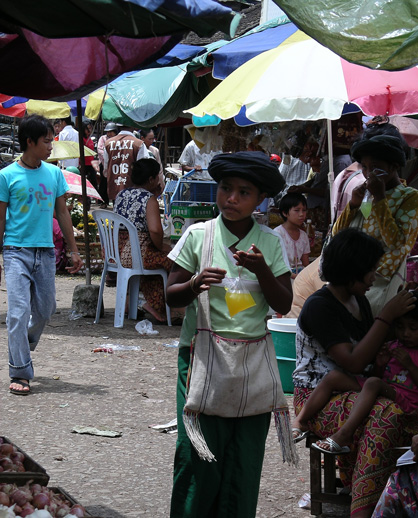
{"x":182,"y":216}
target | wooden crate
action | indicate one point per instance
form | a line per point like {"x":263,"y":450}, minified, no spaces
{"x":66,"y":496}
{"x":34,"y":471}
{"x":96,"y":258}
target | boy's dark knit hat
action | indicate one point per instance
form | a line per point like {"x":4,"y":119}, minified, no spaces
{"x":385,"y":147}
{"x":253,"y":166}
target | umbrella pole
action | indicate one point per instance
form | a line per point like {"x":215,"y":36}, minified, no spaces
{"x":83,"y":190}
{"x":166,"y":149}
{"x":13,"y":137}
{"x":330,"y":164}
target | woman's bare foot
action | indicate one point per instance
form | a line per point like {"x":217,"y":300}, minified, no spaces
{"x":298,"y":428}
{"x":19,"y":386}
{"x":341,"y":439}
{"x":156,"y":314}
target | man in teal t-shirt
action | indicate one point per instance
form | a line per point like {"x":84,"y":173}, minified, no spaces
{"x":30,"y":191}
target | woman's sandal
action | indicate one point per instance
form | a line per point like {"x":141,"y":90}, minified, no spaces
{"x":334,"y":448}
{"x":24,"y":384}
{"x":299,"y":435}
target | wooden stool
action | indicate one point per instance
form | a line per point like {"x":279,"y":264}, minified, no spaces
{"x":173,"y":154}
{"x":326,"y":492}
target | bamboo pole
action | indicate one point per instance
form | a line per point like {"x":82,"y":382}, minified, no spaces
{"x":83,"y":190}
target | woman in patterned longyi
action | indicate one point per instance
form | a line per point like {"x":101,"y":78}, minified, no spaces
{"x":336,"y":331}
{"x":393,"y":219}
{"x":139,"y":205}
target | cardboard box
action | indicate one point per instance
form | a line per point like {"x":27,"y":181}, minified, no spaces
{"x":182,"y":216}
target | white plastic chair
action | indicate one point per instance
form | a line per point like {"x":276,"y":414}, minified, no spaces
{"x":109,"y":225}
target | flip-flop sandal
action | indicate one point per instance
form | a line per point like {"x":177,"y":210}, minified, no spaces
{"x":23,"y":384}
{"x":334,"y":448}
{"x":300,"y":434}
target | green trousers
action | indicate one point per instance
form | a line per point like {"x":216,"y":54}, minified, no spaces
{"x":228,"y":487}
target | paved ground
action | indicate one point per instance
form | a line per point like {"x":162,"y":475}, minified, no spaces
{"x":128,"y":476}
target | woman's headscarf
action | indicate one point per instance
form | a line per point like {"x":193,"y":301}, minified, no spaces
{"x":253,"y":166}
{"x":388,"y":148}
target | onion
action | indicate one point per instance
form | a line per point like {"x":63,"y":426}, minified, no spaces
{"x":6,"y":464}
{"x":62,"y":511}
{"x":7,"y":488}
{"x":17,"y":456}
{"x":4,"y":499}
{"x":19,"y":497}
{"x":78,"y":511}
{"x":41,"y":500}
{"x":7,"y":449}
{"x":52,"y":508}
{"x":27,"y":509}
{"x":57,"y":499}
{"x":35,"y":489}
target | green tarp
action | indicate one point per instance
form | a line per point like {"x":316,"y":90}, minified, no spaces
{"x":374,"y":33}
{"x":154,"y":96}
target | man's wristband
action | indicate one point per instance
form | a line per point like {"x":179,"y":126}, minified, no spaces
{"x":71,"y":253}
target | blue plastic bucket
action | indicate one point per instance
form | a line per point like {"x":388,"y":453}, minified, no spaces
{"x":286,"y":367}
{"x":283,"y":333}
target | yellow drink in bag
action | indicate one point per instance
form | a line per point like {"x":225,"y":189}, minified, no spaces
{"x":238,"y":301}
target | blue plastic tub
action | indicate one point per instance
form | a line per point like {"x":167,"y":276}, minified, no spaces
{"x":283,"y":332}
{"x":286,"y":367}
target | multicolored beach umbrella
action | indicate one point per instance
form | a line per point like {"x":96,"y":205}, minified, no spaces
{"x":302,"y":80}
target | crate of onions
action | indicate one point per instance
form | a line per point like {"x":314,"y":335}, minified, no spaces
{"x":37,"y":501}
{"x":16,"y":466}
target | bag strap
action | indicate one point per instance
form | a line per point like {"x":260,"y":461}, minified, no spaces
{"x":345,"y":185}
{"x":357,"y":221}
{"x":203,"y":305}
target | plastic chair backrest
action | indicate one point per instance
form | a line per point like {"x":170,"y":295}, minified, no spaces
{"x":109,"y":225}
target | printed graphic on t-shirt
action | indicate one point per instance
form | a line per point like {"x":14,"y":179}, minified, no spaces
{"x":41,"y":197}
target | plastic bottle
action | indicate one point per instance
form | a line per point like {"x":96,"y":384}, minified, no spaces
{"x":310,"y":230}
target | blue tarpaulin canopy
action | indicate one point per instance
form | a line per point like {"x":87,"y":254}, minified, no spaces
{"x":235,"y":53}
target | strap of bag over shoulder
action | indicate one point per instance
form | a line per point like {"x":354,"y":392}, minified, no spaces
{"x":207,"y":250}
{"x":222,"y":381}
{"x":357,"y":221}
{"x":203,"y":305}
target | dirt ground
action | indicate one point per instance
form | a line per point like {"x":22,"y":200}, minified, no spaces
{"x":127,"y":391}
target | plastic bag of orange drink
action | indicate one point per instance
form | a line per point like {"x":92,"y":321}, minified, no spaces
{"x":237,"y":297}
